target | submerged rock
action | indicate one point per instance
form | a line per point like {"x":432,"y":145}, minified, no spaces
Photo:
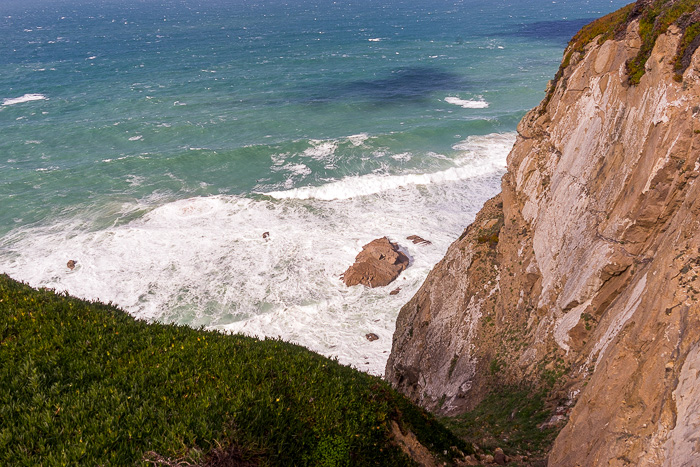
{"x":377,"y":265}
{"x":418,"y":240}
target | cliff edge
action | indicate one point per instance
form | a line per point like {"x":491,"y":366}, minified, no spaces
{"x":582,"y":276}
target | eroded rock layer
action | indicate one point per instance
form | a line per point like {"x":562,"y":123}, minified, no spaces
{"x":583,"y":274}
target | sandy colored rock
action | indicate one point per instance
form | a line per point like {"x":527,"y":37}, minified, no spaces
{"x":377,"y":265}
{"x":593,"y":273}
{"x":467,"y":461}
{"x":410,"y":445}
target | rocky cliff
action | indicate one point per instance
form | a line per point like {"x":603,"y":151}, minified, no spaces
{"x":582,"y":276}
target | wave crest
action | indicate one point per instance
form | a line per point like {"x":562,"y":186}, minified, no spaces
{"x":481,"y":155}
{"x":467,"y":104}
{"x":25,"y":98}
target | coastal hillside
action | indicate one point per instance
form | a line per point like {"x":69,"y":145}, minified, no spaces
{"x":581,"y":279}
{"x":84,"y":383}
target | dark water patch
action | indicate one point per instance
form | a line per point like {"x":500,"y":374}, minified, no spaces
{"x":405,"y":84}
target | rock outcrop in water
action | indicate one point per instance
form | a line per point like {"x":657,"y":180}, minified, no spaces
{"x":377,"y":265}
{"x":583,"y":275}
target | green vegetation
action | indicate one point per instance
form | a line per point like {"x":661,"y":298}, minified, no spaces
{"x":495,"y":366}
{"x":655,"y":18}
{"x":508,"y":418}
{"x":84,"y":383}
{"x":491,"y":233}
{"x":604,"y":28}
{"x":689,"y":44}
{"x":491,"y":239}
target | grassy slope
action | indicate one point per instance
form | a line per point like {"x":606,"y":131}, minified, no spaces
{"x":85,"y":383}
{"x":509,"y":418}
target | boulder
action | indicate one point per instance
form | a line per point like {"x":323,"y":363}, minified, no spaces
{"x":395,"y":291}
{"x":377,"y":265}
{"x":499,"y":457}
{"x":371,"y":337}
{"x":71,"y":264}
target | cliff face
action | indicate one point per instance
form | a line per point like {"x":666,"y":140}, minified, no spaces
{"x":583,"y":275}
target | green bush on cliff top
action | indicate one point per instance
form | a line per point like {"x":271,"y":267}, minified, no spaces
{"x":655,"y":17}
{"x":85,"y":383}
{"x":655,"y":20}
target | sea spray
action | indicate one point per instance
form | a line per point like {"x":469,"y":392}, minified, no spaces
{"x":204,"y":261}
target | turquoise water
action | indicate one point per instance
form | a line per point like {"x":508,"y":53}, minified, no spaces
{"x":155,"y":142}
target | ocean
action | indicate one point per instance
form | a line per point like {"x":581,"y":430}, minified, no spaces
{"x":155,"y":142}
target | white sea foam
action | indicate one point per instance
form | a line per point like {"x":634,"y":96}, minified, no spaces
{"x":352,"y":187}
{"x":116,"y":159}
{"x":52,"y":168}
{"x":404,"y":156}
{"x":136,"y":138}
{"x":375,"y":39}
{"x":203,"y":261}
{"x":321,"y":149}
{"x":467,"y":104}
{"x":484,"y":155}
{"x":24,"y":98}
{"x":358,"y":140}
{"x":294,"y":169}
{"x":134,"y":180}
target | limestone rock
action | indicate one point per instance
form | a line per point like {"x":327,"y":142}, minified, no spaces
{"x":592,"y":268}
{"x":377,"y":265}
